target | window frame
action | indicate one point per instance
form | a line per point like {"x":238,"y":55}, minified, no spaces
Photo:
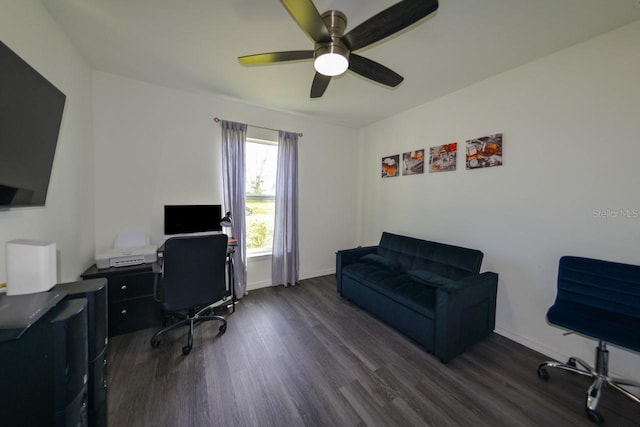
{"x":259,"y":252}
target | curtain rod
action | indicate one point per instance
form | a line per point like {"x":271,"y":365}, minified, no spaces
{"x":218,"y":120}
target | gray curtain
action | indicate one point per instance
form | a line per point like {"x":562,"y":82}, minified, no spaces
{"x":233,"y":179}
{"x":284,"y":259}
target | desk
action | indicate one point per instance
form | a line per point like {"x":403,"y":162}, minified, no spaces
{"x":130,"y":293}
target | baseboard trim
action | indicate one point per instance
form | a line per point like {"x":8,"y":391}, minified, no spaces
{"x":258,"y":285}
{"x":266,"y":283}
{"x":320,"y":273}
{"x":549,"y":352}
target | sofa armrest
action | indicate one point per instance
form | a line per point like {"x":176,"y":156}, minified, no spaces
{"x":465,"y":313}
{"x":345,"y":257}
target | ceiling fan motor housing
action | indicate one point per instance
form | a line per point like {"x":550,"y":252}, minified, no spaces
{"x":336,"y":23}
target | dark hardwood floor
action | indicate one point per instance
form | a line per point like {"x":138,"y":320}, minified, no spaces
{"x":303,"y":356}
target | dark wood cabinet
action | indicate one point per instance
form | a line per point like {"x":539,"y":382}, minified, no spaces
{"x":130,"y":294}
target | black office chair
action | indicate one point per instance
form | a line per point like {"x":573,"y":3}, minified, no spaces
{"x":193,"y":281}
{"x":601,"y":300}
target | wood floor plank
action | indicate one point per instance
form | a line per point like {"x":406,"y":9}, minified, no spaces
{"x":304,"y":356}
{"x":369,"y":411}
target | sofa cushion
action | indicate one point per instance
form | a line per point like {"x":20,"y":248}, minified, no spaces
{"x":395,"y":285}
{"x":429,"y":278}
{"x":445,"y":260}
{"x":380,"y":261}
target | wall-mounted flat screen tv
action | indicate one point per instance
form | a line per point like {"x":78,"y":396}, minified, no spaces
{"x":189,"y":219}
{"x":30,"y":116}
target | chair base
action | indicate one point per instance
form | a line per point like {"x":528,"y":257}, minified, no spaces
{"x":190,"y":319}
{"x":600,"y":376}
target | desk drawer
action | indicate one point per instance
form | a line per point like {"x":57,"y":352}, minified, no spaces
{"x":133,"y":314}
{"x":127,"y":286}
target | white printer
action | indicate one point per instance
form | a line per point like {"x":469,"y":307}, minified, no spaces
{"x":131,"y":248}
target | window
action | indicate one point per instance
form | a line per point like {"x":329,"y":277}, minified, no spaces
{"x":260,"y":192}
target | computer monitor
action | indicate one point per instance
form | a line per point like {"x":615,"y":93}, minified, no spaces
{"x":192,"y":219}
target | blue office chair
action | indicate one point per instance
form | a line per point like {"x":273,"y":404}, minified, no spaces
{"x":601,"y":300}
{"x":193,"y":281}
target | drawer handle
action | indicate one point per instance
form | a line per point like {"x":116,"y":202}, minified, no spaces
{"x":124,"y":312}
{"x":123,"y":287}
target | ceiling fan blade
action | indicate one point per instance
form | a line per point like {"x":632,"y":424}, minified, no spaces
{"x":374,"y":71}
{"x":304,"y":12}
{"x":319,"y":85}
{"x":271,"y":57}
{"x":388,"y":22}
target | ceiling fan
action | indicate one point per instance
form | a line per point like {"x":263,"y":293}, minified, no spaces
{"x":333,"y":51}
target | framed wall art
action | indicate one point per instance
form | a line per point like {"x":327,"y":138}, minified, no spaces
{"x":484,"y":152}
{"x":390,"y":166}
{"x":443,"y":157}
{"x":413,"y":162}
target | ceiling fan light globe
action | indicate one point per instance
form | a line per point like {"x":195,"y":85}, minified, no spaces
{"x":331,"y":64}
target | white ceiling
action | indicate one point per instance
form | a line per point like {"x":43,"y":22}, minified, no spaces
{"x":194,"y":44}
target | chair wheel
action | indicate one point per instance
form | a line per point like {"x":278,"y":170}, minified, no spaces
{"x":186,"y":349}
{"x":594,"y":416}
{"x":155,"y":343}
{"x":542,"y":373}
{"x":223,"y":328}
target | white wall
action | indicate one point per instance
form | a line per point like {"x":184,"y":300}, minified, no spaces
{"x":67,"y":219}
{"x":571,"y":150}
{"x":157,"y":146}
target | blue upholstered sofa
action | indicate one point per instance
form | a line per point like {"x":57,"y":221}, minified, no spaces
{"x":432,"y":292}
